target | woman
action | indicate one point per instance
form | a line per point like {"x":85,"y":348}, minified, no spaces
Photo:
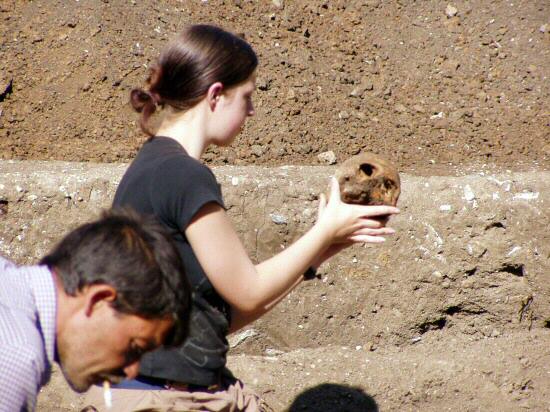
{"x":204,"y":81}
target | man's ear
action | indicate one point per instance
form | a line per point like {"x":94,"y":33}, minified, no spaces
{"x":214,"y":94}
{"x":98,"y":295}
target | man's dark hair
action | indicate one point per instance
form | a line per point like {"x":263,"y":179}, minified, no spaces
{"x":134,"y":255}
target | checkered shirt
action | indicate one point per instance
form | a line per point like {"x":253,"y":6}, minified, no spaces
{"x":27,"y":333}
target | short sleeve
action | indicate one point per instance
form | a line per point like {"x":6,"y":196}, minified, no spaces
{"x":181,"y":186}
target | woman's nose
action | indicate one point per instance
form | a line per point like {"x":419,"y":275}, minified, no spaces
{"x":251,"y":112}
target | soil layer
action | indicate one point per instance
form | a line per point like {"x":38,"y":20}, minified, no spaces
{"x":427,"y":85}
{"x":451,"y":313}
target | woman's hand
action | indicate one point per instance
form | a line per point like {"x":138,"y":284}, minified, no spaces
{"x":348,"y":224}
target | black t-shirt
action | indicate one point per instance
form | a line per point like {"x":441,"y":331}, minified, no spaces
{"x":164,"y":181}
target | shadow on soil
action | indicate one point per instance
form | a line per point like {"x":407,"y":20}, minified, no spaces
{"x":330,"y":397}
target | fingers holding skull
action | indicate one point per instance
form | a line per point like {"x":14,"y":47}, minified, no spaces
{"x":370,"y":186}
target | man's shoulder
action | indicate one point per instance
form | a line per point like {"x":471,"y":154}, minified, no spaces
{"x":5,"y":264}
{"x":18,"y":330}
{"x":25,"y":354}
{"x":15,"y":291}
{"x":22,"y":352}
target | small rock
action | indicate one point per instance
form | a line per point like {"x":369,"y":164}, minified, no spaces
{"x":399,"y":108}
{"x":451,"y":10}
{"x":441,"y":123}
{"x":368,"y":85}
{"x":469,"y":193}
{"x":281,"y":151}
{"x":291,"y":95}
{"x":327,"y":157}
{"x":241,"y":337}
{"x":6,"y":87}
{"x":278,"y":219}
{"x":356,"y":92}
{"x":264,"y":84}
{"x":280,"y":4}
{"x":418,"y":108}
{"x":452,"y":24}
{"x":543,"y":28}
{"x":257,"y":150}
{"x":304,"y":148}
{"x":86,"y":87}
{"x":437,"y":274}
{"x":365,"y":85}
{"x":137,"y":50}
{"x":343,"y":115}
{"x":273,"y":352}
{"x":503,"y":30}
{"x":360,"y":115}
{"x":526,"y":196}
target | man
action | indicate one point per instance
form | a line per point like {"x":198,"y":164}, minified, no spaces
{"x":110,"y":291}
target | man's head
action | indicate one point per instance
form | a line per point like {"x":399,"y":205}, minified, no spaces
{"x":121,"y":292}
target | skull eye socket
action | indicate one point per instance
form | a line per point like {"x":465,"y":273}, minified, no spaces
{"x":367,"y":169}
{"x":388,"y":184}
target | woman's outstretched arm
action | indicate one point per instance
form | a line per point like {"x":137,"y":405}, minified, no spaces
{"x":253,"y":290}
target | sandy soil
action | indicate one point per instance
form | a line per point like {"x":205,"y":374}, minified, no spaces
{"x":400,"y":78}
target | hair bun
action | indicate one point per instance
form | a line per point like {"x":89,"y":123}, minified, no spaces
{"x":141,"y":98}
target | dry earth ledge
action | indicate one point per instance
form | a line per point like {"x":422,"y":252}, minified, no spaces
{"x":452,"y":313}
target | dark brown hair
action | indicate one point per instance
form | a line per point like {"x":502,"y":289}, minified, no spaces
{"x":136,"y":256}
{"x":199,"y":57}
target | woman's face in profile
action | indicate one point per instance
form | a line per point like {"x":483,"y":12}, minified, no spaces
{"x":232,"y":110}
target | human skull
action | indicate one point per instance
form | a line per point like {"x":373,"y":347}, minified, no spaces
{"x":368,"y":179}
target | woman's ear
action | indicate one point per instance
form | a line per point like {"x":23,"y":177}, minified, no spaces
{"x":97,"y":295}
{"x":214,"y":94}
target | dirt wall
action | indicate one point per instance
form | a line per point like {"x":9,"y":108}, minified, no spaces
{"x":467,"y":272}
{"x":423,"y":85}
